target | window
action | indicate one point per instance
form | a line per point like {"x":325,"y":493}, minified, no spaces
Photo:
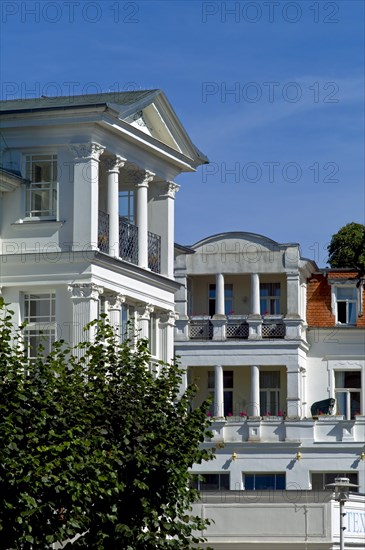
{"x":126,"y":205}
{"x":348,"y":393}
{"x":153,"y":334}
{"x":227,"y":392}
{"x":269,"y":392}
{"x":39,"y":312}
{"x":211,"y":482}
{"x":270,"y":298}
{"x":321,"y":479}
{"x":264,"y":482}
{"x":228,"y":299}
{"x":41,"y":190}
{"x":346,"y":301}
{"x":127,"y":323}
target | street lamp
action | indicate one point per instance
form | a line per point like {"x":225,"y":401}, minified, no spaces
{"x":342,"y":488}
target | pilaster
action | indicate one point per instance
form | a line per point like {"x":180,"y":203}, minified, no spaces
{"x":85,"y":298}
{"x":115,"y":303}
{"x":167,"y":322}
{"x":144,"y":314}
{"x":86,"y":194}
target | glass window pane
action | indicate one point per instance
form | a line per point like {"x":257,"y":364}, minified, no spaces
{"x":280,"y":482}
{"x":228,"y":291}
{"x":211,"y":291}
{"x":249,"y":482}
{"x":341,"y":312}
{"x":346,"y":293}
{"x":210,"y":482}
{"x":224,"y":481}
{"x":351,"y":313}
{"x":228,"y":379}
{"x":264,"y":482}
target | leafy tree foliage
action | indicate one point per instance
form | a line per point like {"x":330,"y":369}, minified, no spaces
{"x":347,"y":247}
{"x":96,"y":446}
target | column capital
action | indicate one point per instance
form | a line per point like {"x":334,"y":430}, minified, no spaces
{"x":141,"y":178}
{"x":85,"y":151}
{"x":144,"y":311}
{"x":172,"y":189}
{"x":113,"y":164}
{"x":115,"y":302}
{"x":168,"y":318}
{"x":168,"y":188}
{"x":85,"y":291}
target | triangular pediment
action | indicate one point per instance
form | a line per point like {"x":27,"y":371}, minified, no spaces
{"x":153,"y":115}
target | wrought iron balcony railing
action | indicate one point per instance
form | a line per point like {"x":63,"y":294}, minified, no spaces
{"x":154,"y":252}
{"x":103,"y":232}
{"x":128,"y":242}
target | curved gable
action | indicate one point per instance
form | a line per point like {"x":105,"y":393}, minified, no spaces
{"x":240,"y":251}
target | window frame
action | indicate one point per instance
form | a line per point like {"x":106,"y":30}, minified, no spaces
{"x":262,"y":474}
{"x":228,"y":298}
{"x":130,"y":195}
{"x":335,"y":301}
{"x":31,"y":187}
{"x":268,"y":391}
{"x":350,"y":475}
{"x":348,"y":391}
{"x":42,"y":328}
{"x":271,"y":299}
{"x":221,"y":475}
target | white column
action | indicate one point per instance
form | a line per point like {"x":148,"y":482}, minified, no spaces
{"x":166,"y":335}
{"x":144,"y":314}
{"x":255,"y":391}
{"x":294,"y":386}
{"x":218,"y":392}
{"x":115,"y":303}
{"x":85,"y":299}
{"x":255,"y":294}
{"x":113,"y":165}
{"x":219,"y":298}
{"x":86,"y":194}
{"x":168,"y":237}
{"x":142,"y":217}
{"x":293,"y":294}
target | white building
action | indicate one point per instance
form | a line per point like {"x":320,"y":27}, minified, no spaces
{"x":267,"y":335}
{"x":87,"y":213}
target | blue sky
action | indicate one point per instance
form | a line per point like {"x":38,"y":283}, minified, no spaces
{"x":271,"y":91}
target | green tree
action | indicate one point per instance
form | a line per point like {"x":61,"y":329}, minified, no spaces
{"x":97,"y":446}
{"x":347,"y":247}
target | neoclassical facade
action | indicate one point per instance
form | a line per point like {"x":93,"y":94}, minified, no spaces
{"x":87,"y":214}
{"x":265,"y":334}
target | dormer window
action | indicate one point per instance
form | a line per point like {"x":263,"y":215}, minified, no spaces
{"x":41,"y":188}
{"x":346,"y":299}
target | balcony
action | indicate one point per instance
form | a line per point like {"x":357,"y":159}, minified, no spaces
{"x":232,"y":327}
{"x":326,"y":429}
{"x":200,"y":328}
{"x":128,"y":242}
